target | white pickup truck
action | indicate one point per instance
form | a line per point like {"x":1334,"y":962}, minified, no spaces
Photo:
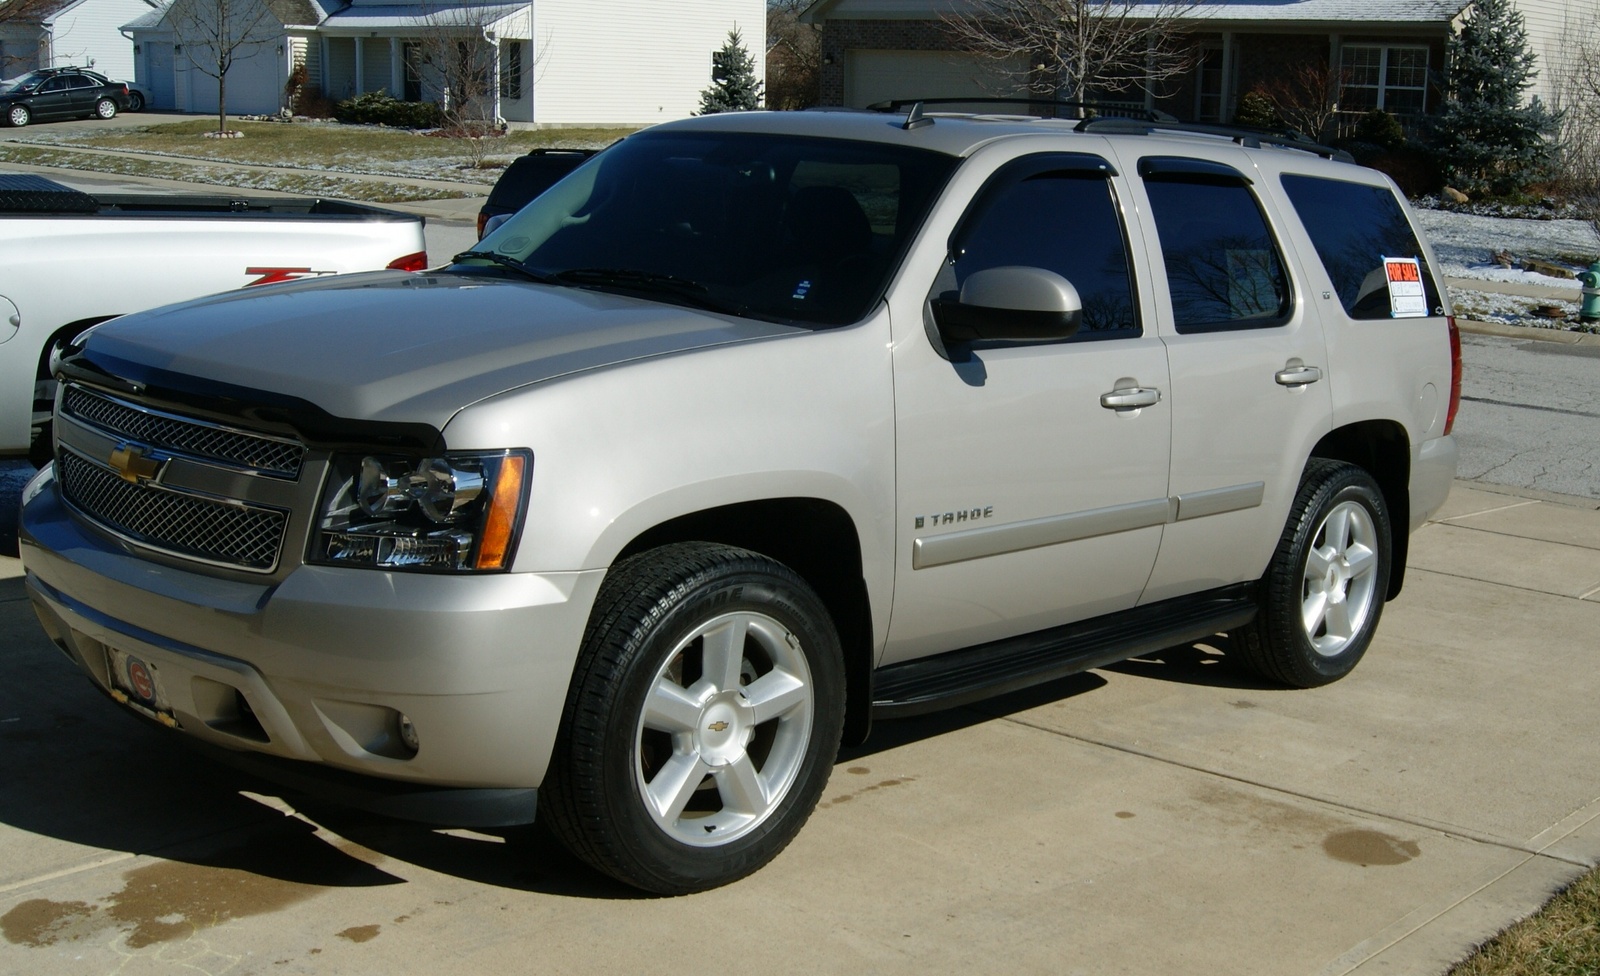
{"x":72,"y":259}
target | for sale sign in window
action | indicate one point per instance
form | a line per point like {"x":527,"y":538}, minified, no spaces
{"x":1407,"y":300}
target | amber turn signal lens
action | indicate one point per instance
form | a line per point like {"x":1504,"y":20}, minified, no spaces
{"x":494,"y":550}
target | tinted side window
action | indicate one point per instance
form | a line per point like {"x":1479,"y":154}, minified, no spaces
{"x":1355,"y":226}
{"x":1063,"y":219}
{"x":1223,"y":267}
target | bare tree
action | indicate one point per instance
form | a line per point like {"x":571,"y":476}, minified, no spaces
{"x":1574,"y":72}
{"x":1078,"y":47}
{"x":1306,"y":97}
{"x":454,"y":57}
{"x":794,"y":56}
{"x":216,"y":33}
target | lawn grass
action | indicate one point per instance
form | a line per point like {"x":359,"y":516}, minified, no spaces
{"x":1563,"y":939}
{"x":171,"y":149}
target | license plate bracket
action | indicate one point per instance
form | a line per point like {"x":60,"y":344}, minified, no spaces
{"x":136,"y":683}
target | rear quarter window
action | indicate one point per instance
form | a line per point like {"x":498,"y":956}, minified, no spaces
{"x":1354,"y":226}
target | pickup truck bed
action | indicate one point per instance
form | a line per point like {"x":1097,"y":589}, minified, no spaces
{"x":75,"y":259}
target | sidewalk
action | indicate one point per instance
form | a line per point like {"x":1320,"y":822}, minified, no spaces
{"x":1161,"y":816}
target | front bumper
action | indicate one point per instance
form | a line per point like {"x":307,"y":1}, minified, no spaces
{"x":319,"y":666}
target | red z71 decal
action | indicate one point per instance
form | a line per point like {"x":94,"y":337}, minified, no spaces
{"x":271,"y":276}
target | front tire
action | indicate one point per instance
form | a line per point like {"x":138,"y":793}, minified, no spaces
{"x":135,"y":102}
{"x":105,"y":108}
{"x":1324,"y":591}
{"x":702,"y":721}
{"x":18,"y":116}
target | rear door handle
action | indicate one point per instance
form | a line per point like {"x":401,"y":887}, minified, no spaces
{"x":1298,"y":376}
{"x":1130,"y":399}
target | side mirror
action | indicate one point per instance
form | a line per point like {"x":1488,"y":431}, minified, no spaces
{"x":1010,"y":304}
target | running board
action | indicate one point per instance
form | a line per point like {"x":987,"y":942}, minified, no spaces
{"x":974,"y":673}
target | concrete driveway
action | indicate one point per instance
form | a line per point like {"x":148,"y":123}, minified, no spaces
{"x":1163,"y":816}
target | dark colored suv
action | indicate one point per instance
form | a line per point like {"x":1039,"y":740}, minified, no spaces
{"x":527,"y":177}
{"x":61,"y":93}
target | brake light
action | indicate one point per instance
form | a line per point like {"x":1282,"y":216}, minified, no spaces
{"x":483,"y":218}
{"x":1455,"y":374}
{"x":411,"y":262}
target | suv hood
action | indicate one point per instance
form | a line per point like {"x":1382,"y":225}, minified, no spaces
{"x":393,"y":346}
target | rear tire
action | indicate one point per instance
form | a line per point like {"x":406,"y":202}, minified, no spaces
{"x":105,"y":108}
{"x":702,"y":721}
{"x":1324,"y":590}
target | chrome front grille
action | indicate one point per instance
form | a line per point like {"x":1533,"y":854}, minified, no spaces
{"x":226,"y":533}
{"x":235,"y":448}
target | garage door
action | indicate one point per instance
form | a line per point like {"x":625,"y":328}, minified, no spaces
{"x":255,"y":86}
{"x":876,"y":76}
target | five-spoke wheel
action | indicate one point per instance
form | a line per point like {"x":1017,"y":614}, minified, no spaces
{"x":702,"y":720}
{"x":1324,"y":590}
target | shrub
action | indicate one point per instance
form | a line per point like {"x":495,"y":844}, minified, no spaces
{"x":1380,"y":129}
{"x":379,"y":108}
{"x":1257,"y":110}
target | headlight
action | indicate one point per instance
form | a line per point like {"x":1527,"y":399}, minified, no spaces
{"x":459,"y":512}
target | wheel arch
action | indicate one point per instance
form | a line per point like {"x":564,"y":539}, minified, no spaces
{"x":1383,"y":449}
{"x":814,"y":537}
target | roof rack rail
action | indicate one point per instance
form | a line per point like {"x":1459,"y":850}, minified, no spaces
{"x":1131,"y":110}
{"x":1243,"y":135}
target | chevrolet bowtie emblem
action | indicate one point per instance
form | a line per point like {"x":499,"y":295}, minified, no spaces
{"x":717,"y":727}
{"x":132,"y":464}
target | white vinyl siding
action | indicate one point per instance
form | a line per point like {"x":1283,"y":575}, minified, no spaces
{"x":88,"y":35}
{"x":632,"y":62}
{"x":1553,"y":29}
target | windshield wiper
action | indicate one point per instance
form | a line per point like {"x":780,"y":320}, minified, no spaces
{"x":505,"y":261}
{"x":652,"y":282}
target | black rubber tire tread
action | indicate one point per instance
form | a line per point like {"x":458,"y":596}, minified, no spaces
{"x":635,"y":603}
{"x":1273,"y":645}
{"x":105,"y":101}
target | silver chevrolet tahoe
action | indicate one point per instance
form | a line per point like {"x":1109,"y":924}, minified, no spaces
{"x":754,"y":428}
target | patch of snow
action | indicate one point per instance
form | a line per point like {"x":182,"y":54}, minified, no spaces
{"x":1463,"y":243}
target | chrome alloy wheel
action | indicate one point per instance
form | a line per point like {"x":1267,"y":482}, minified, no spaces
{"x":724,"y":730}
{"x":1339,"y":585}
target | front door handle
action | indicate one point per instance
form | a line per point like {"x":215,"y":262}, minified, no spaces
{"x":1130,"y":399}
{"x":1297,"y":376}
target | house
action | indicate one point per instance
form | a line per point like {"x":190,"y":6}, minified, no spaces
{"x":1363,"y":53}
{"x":555,"y":62}
{"x":59,"y":33}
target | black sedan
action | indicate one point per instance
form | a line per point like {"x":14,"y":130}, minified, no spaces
{"x":42,"y":95}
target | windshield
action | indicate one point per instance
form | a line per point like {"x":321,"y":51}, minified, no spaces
{"x":21,"y":83}
{"x":779,"y":227}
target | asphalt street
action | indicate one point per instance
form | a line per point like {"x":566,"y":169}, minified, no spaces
{"x":1528,"y":412}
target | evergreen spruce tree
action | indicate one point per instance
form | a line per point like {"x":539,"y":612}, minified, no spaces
{"x":734,"y":87}
{"x":1486,"y":139}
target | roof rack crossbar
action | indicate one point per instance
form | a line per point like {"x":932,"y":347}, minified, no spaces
{"x":1243,"y":135}
{"x":1102,"y":109}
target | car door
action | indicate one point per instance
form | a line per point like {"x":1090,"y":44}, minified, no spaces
{"x":1249,"y":390}
{"x":53,"y":100}
{"x":1026,"y":497}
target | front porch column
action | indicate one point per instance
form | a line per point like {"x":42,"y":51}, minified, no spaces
{"x":397,"y":70}
{"x":1226,"y":110}
{"x":494,"y":80}
{"x":361,"y":66}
